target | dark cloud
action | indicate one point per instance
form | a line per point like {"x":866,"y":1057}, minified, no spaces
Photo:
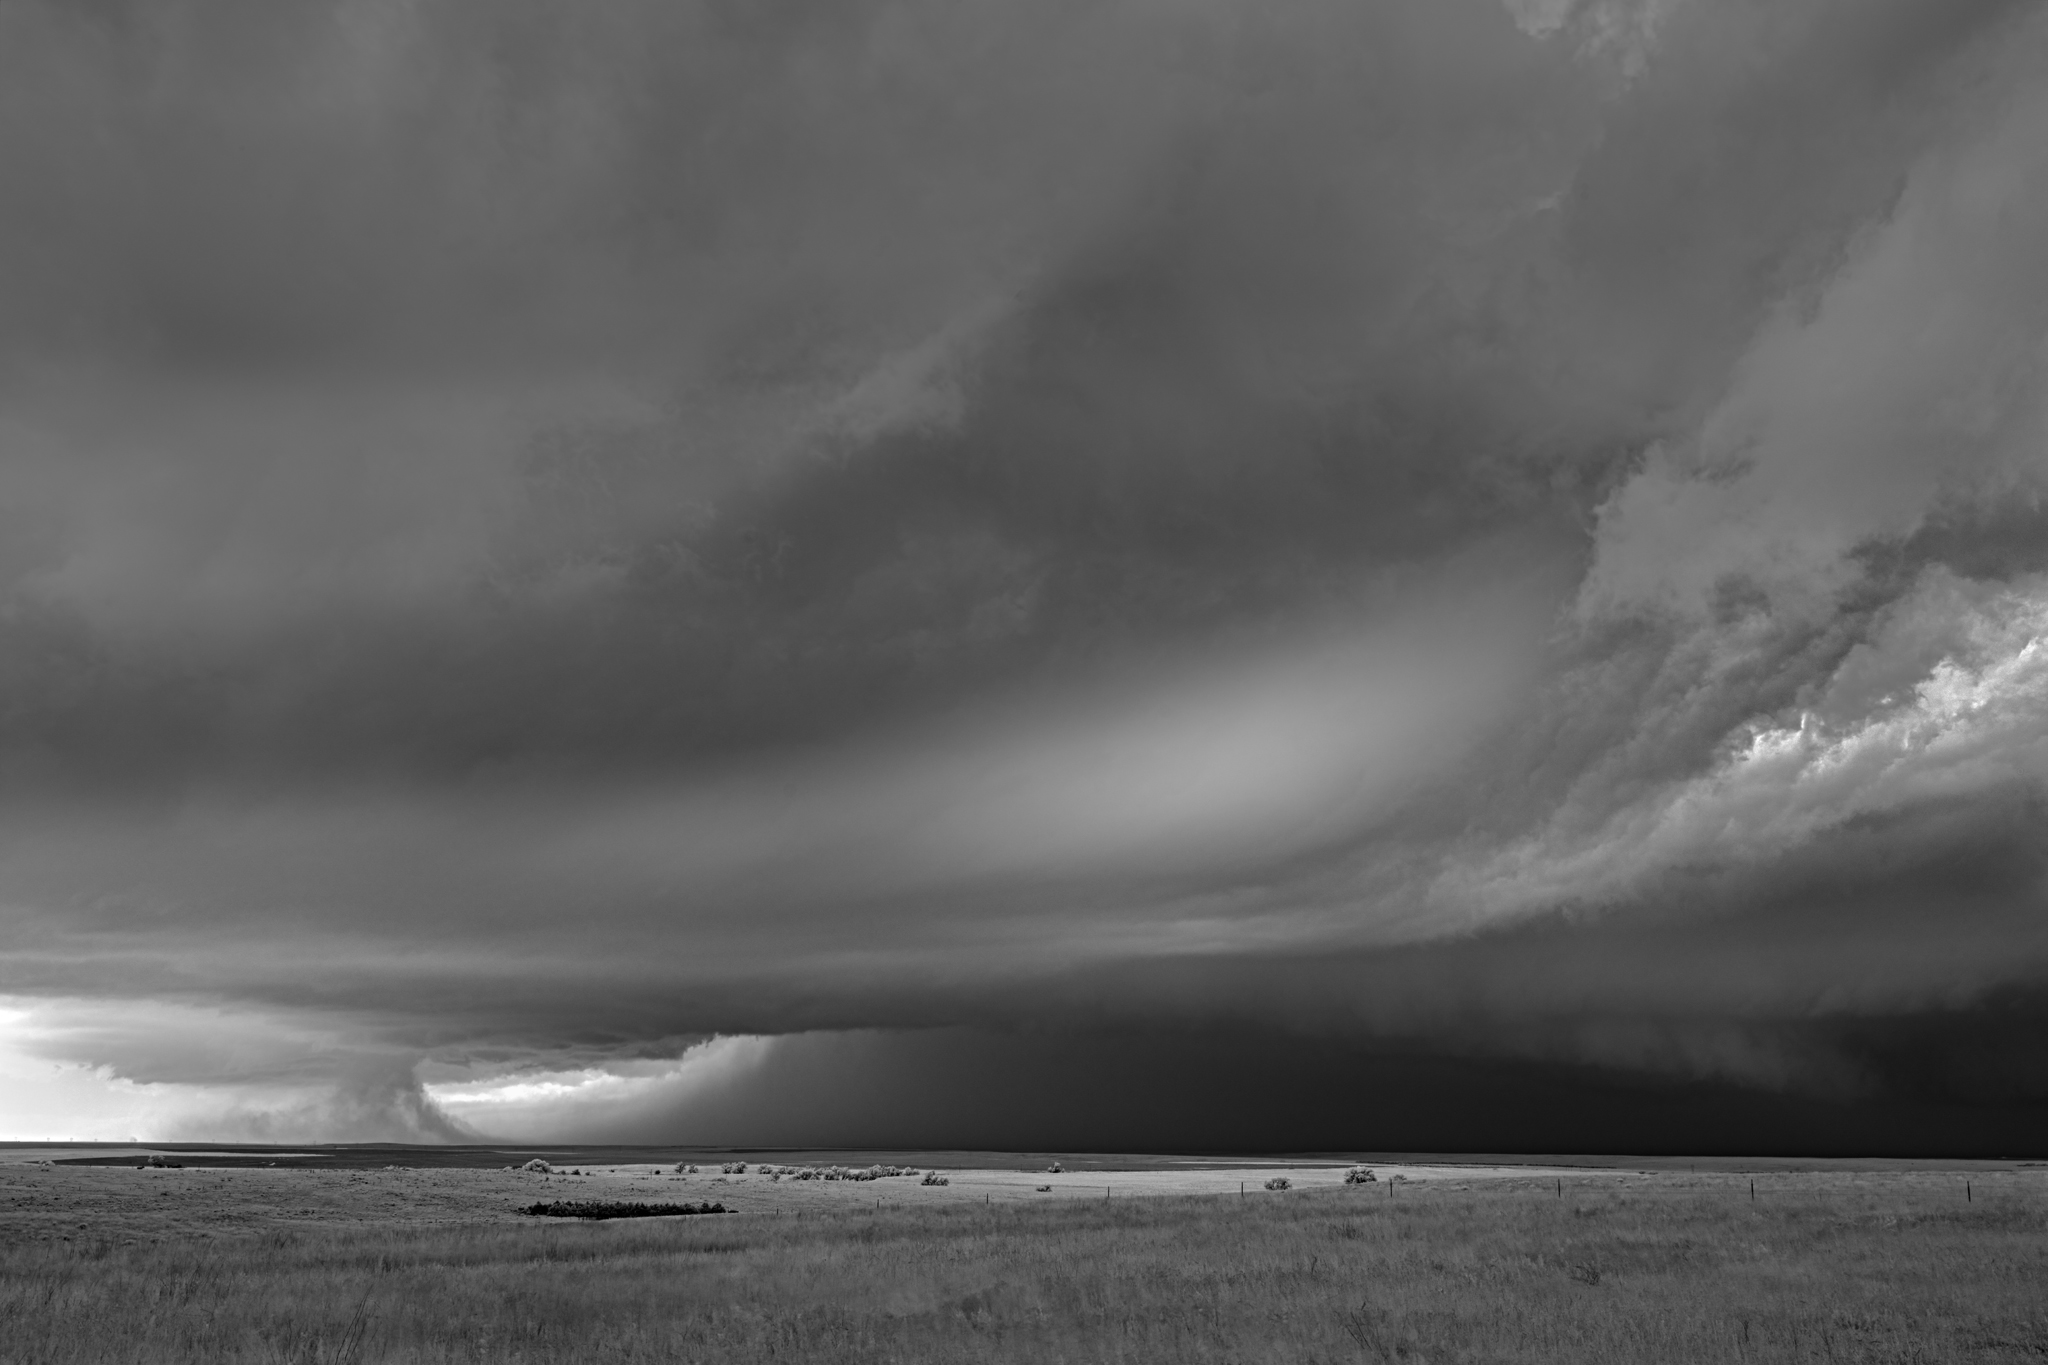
{"x":1484,"y":544}
{"x":1248,"y":1090}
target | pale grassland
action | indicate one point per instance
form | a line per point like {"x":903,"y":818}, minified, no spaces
{"x":1658,"y":1269}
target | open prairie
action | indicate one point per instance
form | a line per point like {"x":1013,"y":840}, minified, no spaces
{"x":1450,"y":1263}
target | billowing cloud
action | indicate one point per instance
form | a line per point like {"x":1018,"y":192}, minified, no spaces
{"x":1907,"y":387}
{"x":1946,"y":699}
{"x":218,"y":1074}
{"x":593,"y":574}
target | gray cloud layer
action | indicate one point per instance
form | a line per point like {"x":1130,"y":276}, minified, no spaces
{"x":533,"y":536}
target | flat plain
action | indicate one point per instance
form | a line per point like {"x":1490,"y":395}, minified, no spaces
{"x":1467,"y":1263}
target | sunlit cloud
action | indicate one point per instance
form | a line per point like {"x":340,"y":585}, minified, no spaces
{"x":1970,"y":721}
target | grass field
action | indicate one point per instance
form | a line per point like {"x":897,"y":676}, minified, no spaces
{"x":1626,"y":1268}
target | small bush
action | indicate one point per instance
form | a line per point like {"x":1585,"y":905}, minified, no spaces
{"x":1279,"y":1182}
{"x":934,"y":1178}
{"x":538,"y":1166}
{"x":734,"y":1168}
{"x":876,"y":1172}
{"x":1360,"y":1175}
{"x":602,"y":1208}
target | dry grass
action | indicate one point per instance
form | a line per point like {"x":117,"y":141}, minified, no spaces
{"x":1656,"y":1269}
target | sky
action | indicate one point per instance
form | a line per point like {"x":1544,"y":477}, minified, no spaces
{"x":1139,"y":574}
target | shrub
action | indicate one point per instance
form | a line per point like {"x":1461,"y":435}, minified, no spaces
{"x":1360,"y":1175}
{"x":1055,"y":1169}
{"x":734,"y":1168}
{"x":934,"y":1178}
{"x":876,"y":1172}
{"x":538,"y":1166}
{"x":1279,"y":1182}
{"x":602,"y":1208}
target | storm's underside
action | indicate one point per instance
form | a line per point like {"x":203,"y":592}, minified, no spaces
{"x":1259,"y":573}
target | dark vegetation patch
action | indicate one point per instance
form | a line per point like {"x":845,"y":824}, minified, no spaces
{"x":616,"y":1208}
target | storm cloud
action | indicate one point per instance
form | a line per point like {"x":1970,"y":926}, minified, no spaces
{"x":691,"y":571}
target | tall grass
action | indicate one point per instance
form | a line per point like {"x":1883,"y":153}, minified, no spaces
{"x":1638,"y":1275}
